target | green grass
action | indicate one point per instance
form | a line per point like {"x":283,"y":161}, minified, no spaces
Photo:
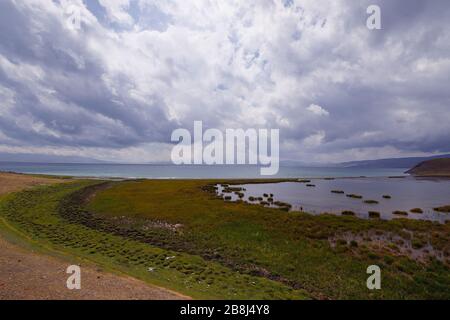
{"x":290,"y":247}
{"x":205,"y":247}
{"x":37,"y":214}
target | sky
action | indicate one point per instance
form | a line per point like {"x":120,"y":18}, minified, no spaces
{"x":135,"y":70}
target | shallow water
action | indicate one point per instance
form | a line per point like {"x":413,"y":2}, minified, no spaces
{"x":407,"y":193}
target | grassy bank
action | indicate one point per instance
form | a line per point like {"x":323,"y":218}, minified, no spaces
{"x":325,"y":255}
{"x":37,"y":214}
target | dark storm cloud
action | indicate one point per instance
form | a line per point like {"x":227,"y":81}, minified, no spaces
{"x":85,"y":112}
{"x":139,"y":69}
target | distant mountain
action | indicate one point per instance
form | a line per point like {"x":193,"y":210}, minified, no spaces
{"x":390,"y":163}
{"x":432,"y":168}
{"x":44,"y":158}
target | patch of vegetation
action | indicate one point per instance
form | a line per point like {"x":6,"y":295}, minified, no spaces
{"x":53,"y":216}
{"x":400,"y":213}
{"x":354,"y":196}
{"x":243,"y":250}
{"x":337,"y":191}
{"x":445,"y":209}
{"x":283,"y":205}
{"x":348,"y":213}
{"x":416,"y":210}
{"x":371,"y":201}
{"x":284,"y":247}
{"x":374,"y":214}
{"x":311,"y":185}
{"x":386,"y":196}
{"x":304,"y":181}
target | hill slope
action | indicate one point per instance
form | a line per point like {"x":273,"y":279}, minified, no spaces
{"x":435,"y":168}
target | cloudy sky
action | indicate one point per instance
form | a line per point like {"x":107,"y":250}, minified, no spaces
{"x":135,"y":70}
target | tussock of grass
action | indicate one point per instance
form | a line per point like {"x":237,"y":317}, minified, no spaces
{"x":354,"y":196}
{"x":443,"y":209}
{"x":371,"y":201}
{"x":400,"y":213}
{"x":37,"y":212}
{"x":237,"y":245}
{"x":416,"y":210}
{"x":374,"y":214}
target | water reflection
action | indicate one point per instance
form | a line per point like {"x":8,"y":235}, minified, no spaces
{"x":357,"y":196}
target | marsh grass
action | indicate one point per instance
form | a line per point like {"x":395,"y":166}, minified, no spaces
{"x":354,"y":196}
{"x":252,"y":251}
{"x":445,"y":209}
{"x":287,"y":245}
{"x":400,"y":213}
{"x":374,"y":214}
{"x":36,"y":212}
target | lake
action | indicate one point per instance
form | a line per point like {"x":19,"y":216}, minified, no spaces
{"x":406,"y":194}
{"x":155,"y":171}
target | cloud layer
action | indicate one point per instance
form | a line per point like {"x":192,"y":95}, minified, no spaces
{"x":138,"y":69}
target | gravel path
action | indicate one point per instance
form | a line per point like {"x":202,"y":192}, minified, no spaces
{"x":28,"y":275}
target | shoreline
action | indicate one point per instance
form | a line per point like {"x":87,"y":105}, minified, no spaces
{"x":172,"y":248}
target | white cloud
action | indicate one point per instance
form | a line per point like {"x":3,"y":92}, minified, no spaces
{"x":231,"y":64}
{"x":318,"y":110}
{"x":117,"y":11}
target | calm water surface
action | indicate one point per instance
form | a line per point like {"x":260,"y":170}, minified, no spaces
{"x":406,"y":193}
{"x":186,"y":172}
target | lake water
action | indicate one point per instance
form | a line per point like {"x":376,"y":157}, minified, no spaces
{"x":188,"y":172}
{"x":406,"y":194}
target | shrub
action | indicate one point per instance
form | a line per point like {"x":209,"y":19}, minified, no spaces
{"x":355,"y":196}
{"x":374,"y":214}
{"x":443,"y":209}
{"x":400,"y":213}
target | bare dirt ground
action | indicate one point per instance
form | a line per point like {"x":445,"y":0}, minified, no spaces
{"x":33,"y":276}
{"x":10,"y":182}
